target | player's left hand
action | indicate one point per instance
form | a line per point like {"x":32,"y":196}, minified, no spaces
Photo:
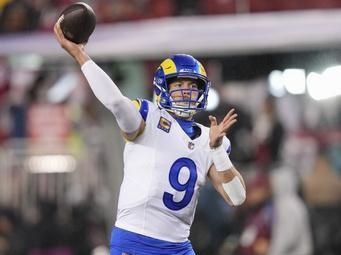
{"x":218,"y":131}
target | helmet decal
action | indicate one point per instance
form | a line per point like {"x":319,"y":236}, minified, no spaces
{"x":202,"y":70}
{"x":168,"y":66}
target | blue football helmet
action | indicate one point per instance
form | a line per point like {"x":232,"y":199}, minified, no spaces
{"x":181,"y":66}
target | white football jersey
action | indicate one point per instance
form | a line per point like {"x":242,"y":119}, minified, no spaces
{"x":164,"y":170}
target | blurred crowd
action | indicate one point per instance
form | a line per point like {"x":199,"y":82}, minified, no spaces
{"x":293,"y":184}
{"x":293,"y":177}
{"x":31,"y":15}
{"x":47,"y":230}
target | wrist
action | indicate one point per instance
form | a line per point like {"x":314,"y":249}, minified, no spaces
{"x":216,"y":144}
{"x":81,"y":57}
{"x":221,"y":159}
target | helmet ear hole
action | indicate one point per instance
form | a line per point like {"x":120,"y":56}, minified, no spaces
{"x":201,"y":84}
{"x":157,"y":91}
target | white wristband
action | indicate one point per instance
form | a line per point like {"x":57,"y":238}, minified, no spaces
{"x":221,"y":159}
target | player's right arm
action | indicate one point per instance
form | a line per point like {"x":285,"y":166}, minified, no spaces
{"x":127,"y":115}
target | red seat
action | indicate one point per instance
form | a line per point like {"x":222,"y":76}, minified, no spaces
{"x":161,"y":8}
{"x":217,"y":6}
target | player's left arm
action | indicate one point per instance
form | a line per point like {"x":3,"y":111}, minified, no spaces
{"x":224,"y":176}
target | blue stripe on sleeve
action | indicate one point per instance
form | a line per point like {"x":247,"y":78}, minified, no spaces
{"x":144,"y":108}
{"x":229,"y":150}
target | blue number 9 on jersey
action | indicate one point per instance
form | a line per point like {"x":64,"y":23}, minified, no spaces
{"x":188,"y":187}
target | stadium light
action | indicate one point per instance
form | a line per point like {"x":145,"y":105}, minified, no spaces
{"x":294,"y":81}
{"x":51,"y":163}
{"x":325,"y":85}
{"x":276,"y":83}
{"x":213,"y":99}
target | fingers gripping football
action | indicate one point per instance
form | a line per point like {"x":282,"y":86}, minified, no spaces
{"x":77,"y":51}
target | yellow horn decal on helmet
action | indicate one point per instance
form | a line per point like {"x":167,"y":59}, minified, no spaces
{"x":168,"y":66}
{"x":202,"y":70}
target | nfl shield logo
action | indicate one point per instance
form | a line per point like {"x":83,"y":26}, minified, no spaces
{"x":190,"y":145}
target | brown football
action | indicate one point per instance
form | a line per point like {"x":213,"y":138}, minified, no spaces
{"x":78,"y":23}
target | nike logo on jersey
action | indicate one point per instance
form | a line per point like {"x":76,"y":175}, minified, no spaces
{"x":164,"y":124}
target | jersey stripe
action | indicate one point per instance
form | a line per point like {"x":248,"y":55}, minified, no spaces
{"x":142,"y":106}
{"x":229,"y":150}
{"x":144,"y":109}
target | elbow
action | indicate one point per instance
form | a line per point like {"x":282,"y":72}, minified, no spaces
{"x":115,"y":106}
{"x":119,"y":106}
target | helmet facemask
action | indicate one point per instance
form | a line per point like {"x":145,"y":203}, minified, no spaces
{"x":184,"y":103}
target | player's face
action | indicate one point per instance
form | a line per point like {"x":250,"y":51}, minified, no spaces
{"x":184,"y":90}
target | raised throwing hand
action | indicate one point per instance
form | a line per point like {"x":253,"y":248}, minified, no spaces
{"x":77,"y":51}
{"x":218,"y":131}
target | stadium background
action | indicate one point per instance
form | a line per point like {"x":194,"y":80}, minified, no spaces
{"x":276,"y":62}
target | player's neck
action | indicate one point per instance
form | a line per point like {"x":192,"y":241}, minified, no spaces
{"x":187,"y":126}
{"x":184,"y":122}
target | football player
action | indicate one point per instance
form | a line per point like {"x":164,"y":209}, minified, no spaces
{"x":167,"y":157}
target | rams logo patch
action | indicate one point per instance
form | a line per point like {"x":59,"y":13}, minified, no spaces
{"x":164,"y":124}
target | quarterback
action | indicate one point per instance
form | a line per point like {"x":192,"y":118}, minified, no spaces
{"x":167,"y":157}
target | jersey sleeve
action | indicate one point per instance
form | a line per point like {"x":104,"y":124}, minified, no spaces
{"x":143,"y":107}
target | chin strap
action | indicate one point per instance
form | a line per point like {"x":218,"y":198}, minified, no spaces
{"x":184,"y":114}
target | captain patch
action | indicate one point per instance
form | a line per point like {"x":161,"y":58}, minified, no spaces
{"x":164,"y":124}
